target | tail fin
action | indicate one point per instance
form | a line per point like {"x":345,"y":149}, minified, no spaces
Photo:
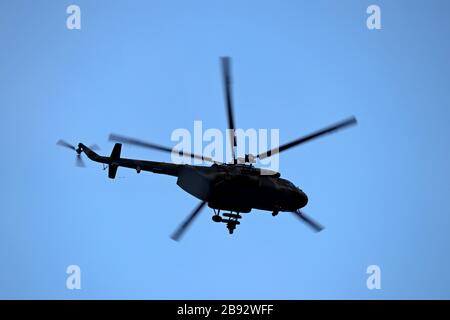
{"x":115,"y":155}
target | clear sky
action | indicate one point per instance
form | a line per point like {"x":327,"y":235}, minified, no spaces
{"x":145,"y":68}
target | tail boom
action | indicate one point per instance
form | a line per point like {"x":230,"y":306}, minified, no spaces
{"x":115,"y":161}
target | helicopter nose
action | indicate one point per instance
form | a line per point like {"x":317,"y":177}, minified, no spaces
{"x":302,"y":198}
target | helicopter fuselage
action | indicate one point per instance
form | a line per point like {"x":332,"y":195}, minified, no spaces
{"x":241,"y":188}
{"x":228,"y":187}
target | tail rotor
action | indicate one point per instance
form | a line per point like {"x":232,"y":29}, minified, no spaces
{"x":79,"y":162}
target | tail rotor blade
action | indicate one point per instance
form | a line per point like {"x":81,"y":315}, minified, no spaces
{"x":79,"y":161}
{"x":65,"y":144}
{"x":186,"y":223}
{"x":94,"y":147}
{"x":308,"y":220}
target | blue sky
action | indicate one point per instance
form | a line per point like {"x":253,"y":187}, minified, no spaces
{"x":145,"y":68}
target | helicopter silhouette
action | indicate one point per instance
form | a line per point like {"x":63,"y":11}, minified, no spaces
{"x":230,"y":189}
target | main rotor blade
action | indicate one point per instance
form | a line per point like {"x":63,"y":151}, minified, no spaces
{"x":226,"y":62}
{"x":183,"y":227}
{"x":65,"y":144}
{"x":144,"y":144}
{"x":308,"y":220}
{"x":327,"y":130}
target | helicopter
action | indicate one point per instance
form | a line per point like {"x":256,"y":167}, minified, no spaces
{"x":229,"y":189}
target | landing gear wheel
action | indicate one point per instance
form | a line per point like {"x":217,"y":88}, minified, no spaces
{"x":275,"y":213}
